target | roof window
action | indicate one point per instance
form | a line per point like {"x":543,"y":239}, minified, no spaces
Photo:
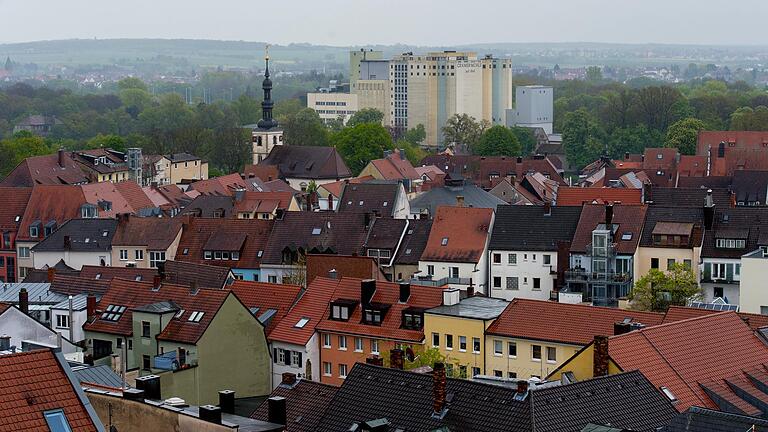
{"x":196,"y":316}
{"x":316,"y":231}
{"x":626,"y":236}
{"x":302,"y":322}
{"x":113,"y":313}
{"x":668,"y":393}
{"x":444,"y":242}
{"x":57,"y":421}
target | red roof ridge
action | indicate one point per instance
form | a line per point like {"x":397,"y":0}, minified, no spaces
{"x":658,"y":326}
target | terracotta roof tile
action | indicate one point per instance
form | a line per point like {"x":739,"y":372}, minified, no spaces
{"x":312,"y":305}
{"x":629,"y":218}
{"x":224,"y":185}
{"x":466,"y":230}
{"x":46,"y":203}
{"x":109,"y":273}
{"x":32,"y":383}
{"x":135,"y":196}
{"x":575,"y":196}
{"x":74,"y":285}
{"x":393,"y":167}
{"x":362,"y":267}
{"x":205,"y":276}
{"x":154,"y":233}
{"x":15,"y":201}
{"x":680,"y":313}
{"x":265,"y":173}
{"x":308,"y":162}
{"x":266,"y":296}
{"x":45,"y":170}
{"x":202,"y":230}
{"x":262,"y":201}
{"x":562,"y":322}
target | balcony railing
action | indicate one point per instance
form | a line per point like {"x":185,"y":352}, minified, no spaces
{"x":441,"y":281}
{"x":612,"y":277}
{"x":607,"y":251}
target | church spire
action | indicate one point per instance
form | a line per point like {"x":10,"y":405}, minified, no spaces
{"x":267,"y":122}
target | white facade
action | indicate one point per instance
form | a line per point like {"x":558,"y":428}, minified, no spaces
{"x":21,"y":327}
{"x":300,"y":184}
{"x":722,"y":280}
{"x":76,"y":260}
{"x":522,"y":274}
{"x":753,"y":295}
{"x":534,"y":107}
{"x":332,"y":106}
{"x":263,"y":141}
{"x":310,"y":356}
{"x":60,"y":322}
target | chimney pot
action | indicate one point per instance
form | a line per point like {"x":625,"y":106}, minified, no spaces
{"x":367,"y":291}
{"x":227,"y":401}
{"x":51,"y":274}
{"x":460,"y":200}
{"x":405,"y":292}
{"x":470,"y":291}
{"x":61,"y":158}
{"x":210,"y":413}
{"x":150,"y":384}
{"x":608,"y":216}
{"x":276,"y":410}
{"x":24,"y":300}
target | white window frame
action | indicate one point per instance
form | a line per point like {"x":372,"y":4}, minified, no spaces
{"x":498,"y":348}
{"x":327,"y":369}
{"x":533,"y":353}
{"x":326,"y":340}
{"x":553,"y":359}
{"x":509,"y":346}
{"x":123,"y":254}
{"x":358,"y":344}
{"x":342,"y":343}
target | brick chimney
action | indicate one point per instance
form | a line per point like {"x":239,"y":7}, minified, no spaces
{"x":396,"y":359}
{"x":24,"y":300}
{"x":600,"y":360}
{"x":459,"y":200}
{"x":375,"y":360}
{"x":156,"y":280}
{"x":90,"y":306}
{"x":61,"y":158}
{"x":50,"y":274}
{"x":709,"y":210}
{"x":438,"y":389}
{"x":289,"y":378}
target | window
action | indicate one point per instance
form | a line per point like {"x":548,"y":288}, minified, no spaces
{"x":156,"y":258}
{"x":372,"y":316}
{"x":208,"y":255}
{"x":512,"y":349}
{"x":430,"y":269}
{"x":449,"y":342}
{"x":342,"y":371}
{"x":444,"y":241}
{"x":475,"y":345}
{"x":34,"y":231}
{"x":498,"y":348}
{"x":512,"y":259}
{"x":537,"y":283}
{"x":88,"y":212}
{"x":374,"y":346}
{"x":497,"y":258}
{"x":462,"y":343}
{"x":57,"y":421}
{"x":731,"y":244}
{"x":343,"y":343}
{"x":196,"y":316}
{"x":23,"y":252}
{"x":547,"y":259}
{"x":281,"y":356}
{"x":687,"y":264}
{"x":718,"y":271}
{"x":145,"y":362}
{"x":339,"y":312}
{"x":475,"y":371}
{"x":536,"y":352}
{"x":670,"y":263}
{"x":511,"y":375}
{"x":498,"y":373}
{"x":654,"y":263}
{"x":551,"y":354}
{"x":718,"y":292}
{"x":435,"y":339}
{"x":497,"y":281}
{"x":123,"y":254}
{"x":512,"y":283}
{"x":272,"y":279}
{"x":145,"y":329}
{"x":295,"y":359}
{"x":139,"y":255}
{"x":533,"y":258}
{"x":326,"y":340}
{"x":130,"y":344}
{"x":326,"y":369}
{"x":453,"y":272}
{"x":62,"y":321}
{"x":358,"y":344}
{"x":119,"y":343}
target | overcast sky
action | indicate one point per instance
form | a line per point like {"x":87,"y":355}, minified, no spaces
{"x":416,"y":22}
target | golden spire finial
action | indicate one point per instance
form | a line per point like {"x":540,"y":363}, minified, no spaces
{"x":266,"y":50}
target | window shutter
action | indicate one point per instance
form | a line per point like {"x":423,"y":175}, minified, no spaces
{"x":707,"y":271}
{"x":274,"y":355}
{"x":287,"y":357}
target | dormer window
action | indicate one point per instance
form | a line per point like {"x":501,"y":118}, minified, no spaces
{"x":88,"y":211}
{"x":340,"y":310}
{"x":372,"y":316}
{"x":34,"y":230}
{"x":731,"y":243}
{"x":413,"y":319}
{"x":196,"y":316}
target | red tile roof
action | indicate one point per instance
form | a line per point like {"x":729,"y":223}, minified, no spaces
{"x":335,"y":188}
{"x":311,"y":305}
{"x":135,"y":196}
{"x":224,"y":185}
{"x":45,"y":170}
{"x":467,"y":231}
{"x":563,"y":322}
{"x":387,"y":293}
{"x":393,"y":167}
{"x":60,"y":203}
{"x":265,"y":296}
{"x":682,"y":354}
{"x":362,"y":267}
{"x":629,"y":218}
{"x":680,"y":313}
{"x":15,"y":201}
{"x":263,"y":202}
{"x":154,"y":233}
{"x":574,"y":196}
{"x":265,"y":173}
{"x":34,"y":382}
{"x":732,"y":139}
{"x":133,"y":294}
{"x":74,"y":285}
{"x":109,"y":273}
{"x":105,"y":191}
{"x":692,"y":166}
{"x":208,"y":231}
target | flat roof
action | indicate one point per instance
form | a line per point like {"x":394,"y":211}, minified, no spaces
{"x":473,"y":308}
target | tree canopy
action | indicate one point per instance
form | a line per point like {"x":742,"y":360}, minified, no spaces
{"x":360,"y":144}
{"x":657,"y":290}
{"x":683,"y":135}
{"x":366,"y":115}
{"x":497,"y":141}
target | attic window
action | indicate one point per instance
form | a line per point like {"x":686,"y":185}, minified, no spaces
{"x":316,"y":231}
{"x":98,"y":276}
{"x":659,"y":156}
{"x":626,"y":236}
{"x":104,"y":233}
{"x":196,"y":316}
{"x":407,"y":251}
{"x":445,"y":241}
{"x":349,"y":202}
{"x":261,"y":252}
{"x":360,"y":203}
{"x":87,"y":239}
{"x":302,"y":322}
{"x":113,"y":313}
{"x":179,"y":313}
{"x":668,"y":393}
{"x":17,"y":218}
{"x":410,"y":231}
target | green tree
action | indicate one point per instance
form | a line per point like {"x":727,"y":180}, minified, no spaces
{"x":19,"y":147}
{"x":413,"y":153}
{"x":526,"y":139}
{"x":365,"y":115}
{"x":361,"y":144}
{"x":581,"y":138}
{"x":657,"y":291}
{"x":683,"y":135}
{"x":594,"y":74}
{"x":165,"y":123}
{"x":417,"y":135}
{"x":131,"y":83}
{"x":247,"y":108}
{"x":305,"y":128}
{"x":462,"y":130}
{"x":113,"y":142}
{"x":135,"y":101}
{"x":497,"y":141}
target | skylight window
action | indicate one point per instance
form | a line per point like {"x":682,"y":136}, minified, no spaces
{"x":316,"y":231}
{"x":407,"y":251}
{"x":113,"y":313}
{"x":18,"y":218}
{"x":385,"y":204}
{"x":104,"y":233}
{"x":361,"y":202}
{"x":302,"y":322}
{"x":668,"y":393}
{"x":196,"y":316}
{"x":410,"y":231}
{"x":626,"y":236}
{"x":185,"y":251}
{"x":261,"y":252}
{"x":179,"y":313}
{"x":445,"y":241}
{"x":57,"y":421}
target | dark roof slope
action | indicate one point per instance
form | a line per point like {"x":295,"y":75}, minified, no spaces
{"x":45,"y":170}
{"x":154,"y":233}
{"x":748,"y":222}
{"x":203,"y":275}
{"x":697,"y":419}
{"x":627,"y":401}
{"x":657,"y":214}
{"x":414,"y":241}
{"x":686,"y":197}
{"x":80,"y":235}
{"x":370,"y":197}
{"x":308,"y":162}
{"x":532,"y":228}
{"x":385,"y":233}
{"x":447,"y":196}
{"x":629,"y":218}
{"x":206,"y":205}
{"x":305,"y":403}
{"x":247,"y":236}
{"x":750,"y":186}
{"x":109,"y":273}
{"x":710,"y":182}
{"x":405,"y":400}
{"x":74,"y":285}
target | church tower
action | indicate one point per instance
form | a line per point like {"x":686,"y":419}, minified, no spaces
{"x":268,"y":133}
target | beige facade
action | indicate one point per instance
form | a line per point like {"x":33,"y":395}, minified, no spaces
{"x":524,"y":358}
{"x":332,"y":106}
{"x":114,"y":177}
{"x":355,"y":57}
{"x":186,"y":170}
{"x":646,"y":256}
{"x":263,"y":141}
{"x":374,"y":94}
{"x":141,"y":257}
{"x":753,"y":298}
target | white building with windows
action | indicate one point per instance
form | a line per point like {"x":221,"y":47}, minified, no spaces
{"x":523,"y":251}
{"x":333,"y":105}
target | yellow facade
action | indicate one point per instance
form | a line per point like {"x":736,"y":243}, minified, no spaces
{"x":644,"y":255}
{"x":582,"y":366}
{"x":517,"y":357}
{"x":457,"y":358}
{"x":113,"y":177}
{"x":375,"y":94}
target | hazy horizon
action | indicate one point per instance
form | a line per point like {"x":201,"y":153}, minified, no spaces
{"x":424,"y":23}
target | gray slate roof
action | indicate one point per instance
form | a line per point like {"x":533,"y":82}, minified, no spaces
{"x":101,"y":375}
{"x":39,"y":293}
{"x":527,"y":227}
{"x":477,"y":307}
{"x":473,"y":197}
{"x":697,"y":419}
{"x":85,"y":235}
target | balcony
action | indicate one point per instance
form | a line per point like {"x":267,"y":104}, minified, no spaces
{"x":441,"y":282}
{"x":611,"y":277}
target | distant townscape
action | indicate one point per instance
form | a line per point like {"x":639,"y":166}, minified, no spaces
{"x":434,"y":244}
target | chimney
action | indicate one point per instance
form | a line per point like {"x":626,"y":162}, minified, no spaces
{"x":519,"y":159}
{"x":709,"y":210}
{"x":161,"y":270}
{"x":5,"y":343}
{"x":721,"y":149}
{"x":470,"y":291}
{"x":405,"y":292}
{"x":330,"y":202}
{"x":210,"y":413}
{"x":61,"y":158}
{"x":133,"y":394}
{"x":619,"y":328}
{"x":600,"y":359}
{"x":626,"y":156}
{"x":276,"y":410}
{"x":289,"y":378}
{"x":608,"y":216}
{"x":522,"y":387}
{"x":151,"y":386}
{"x":367,"y":290}
{"x":547,"y":208}
{"x":451,"y":296}
{"x":90,"y":306}
{"x":156,"y":282}
{"x":193,"y":287}
{"x":67,"y":242}
{"x":24,"y":300}
{"x":227,"y":401}
{"x":438,"y":389}
{"x":375,"y":360}
{"x":459,"y":200}
{"x":333,"y":274}
{"x":50,"y":274}
{"x":396,"y":359}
